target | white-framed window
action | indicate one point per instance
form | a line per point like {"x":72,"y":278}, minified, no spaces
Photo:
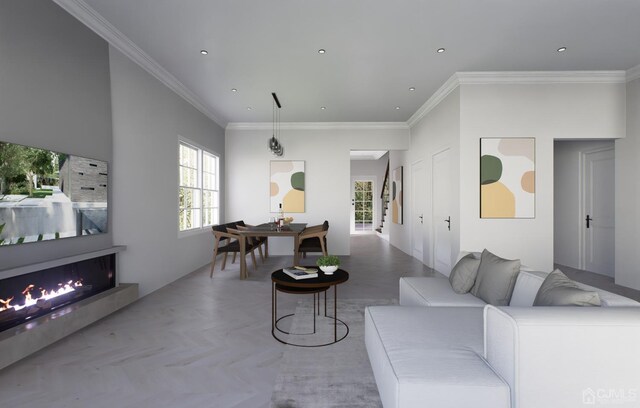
{"x":198,"y":187}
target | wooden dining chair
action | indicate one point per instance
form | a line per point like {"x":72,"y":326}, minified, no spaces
{"x":259,"y":241}
{"x":227,"y":239}
{"x":224,"y":242}
{"x":251,"y":245}
{"x":314,"y":239}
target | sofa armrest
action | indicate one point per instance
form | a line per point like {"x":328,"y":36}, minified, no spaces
{"x":556,"y":356}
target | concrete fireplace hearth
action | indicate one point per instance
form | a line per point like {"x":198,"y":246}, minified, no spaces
{"x":57,"y":319}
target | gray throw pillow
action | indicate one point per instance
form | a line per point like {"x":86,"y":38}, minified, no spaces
{"x":496,"y":279}
{"x":558,"y":290}
{"x":463,"y":275}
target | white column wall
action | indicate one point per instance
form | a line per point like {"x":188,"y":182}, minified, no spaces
{"x":437,"y":130}
{"x":628,"y":194}
{"x":327,"y":175}
{"x":543,"y":111}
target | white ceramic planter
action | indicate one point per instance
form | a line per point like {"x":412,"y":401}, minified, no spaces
{"x":329,"y":270}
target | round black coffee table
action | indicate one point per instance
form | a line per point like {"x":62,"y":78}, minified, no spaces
{"x":281,"y":282}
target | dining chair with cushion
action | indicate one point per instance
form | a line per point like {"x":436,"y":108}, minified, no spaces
{"x":314,"y":239}
{"x":227,"y":239}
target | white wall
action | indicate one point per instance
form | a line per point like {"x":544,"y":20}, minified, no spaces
{"x":327,"y":175}
{"x":54,"y":94}
{"x":543,"y":111}
{"x":566,"y":198}
{"x":438,"y":130}
{"x":147,"y":119}
{"x":375,"y":170}
{"x":628,"y":194}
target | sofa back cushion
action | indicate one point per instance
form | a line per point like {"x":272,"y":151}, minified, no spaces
{"x":526,"y":289}
{"x":496,"y":279}
{"x":529,"y":282}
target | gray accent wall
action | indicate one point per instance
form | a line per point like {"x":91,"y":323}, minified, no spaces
{"x":54,"y":94}
{"x":147,"y":119}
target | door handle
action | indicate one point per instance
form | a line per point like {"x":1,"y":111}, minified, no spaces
{"x":353,"y":201}
{"x":448,"y":221}
{"x":421,"y":219}
{"x":588,"y":220}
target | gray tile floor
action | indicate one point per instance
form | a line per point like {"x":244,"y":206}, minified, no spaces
{"x":198,"y":342}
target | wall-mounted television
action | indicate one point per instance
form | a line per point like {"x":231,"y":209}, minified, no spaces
{"x":47,"y":195}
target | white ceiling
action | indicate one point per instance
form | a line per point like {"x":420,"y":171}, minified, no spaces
{"x":376,"y":49}
{"x":367,"y":154}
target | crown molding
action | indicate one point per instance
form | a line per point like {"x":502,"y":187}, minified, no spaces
{"x":92,"y":19}
{"x":521,"y":78}
{"x":319,"y":126}
{"x":542,"y":77}
{"x":633,"y":73}
{"x":449,"y":86}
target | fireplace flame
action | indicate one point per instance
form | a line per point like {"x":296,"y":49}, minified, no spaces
{"x":63,"y":288}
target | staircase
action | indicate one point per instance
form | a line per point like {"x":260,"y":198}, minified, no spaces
{"x":384,"y":196}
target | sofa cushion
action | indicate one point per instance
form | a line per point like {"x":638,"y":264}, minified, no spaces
{"x":430,"y":357}
{"x":527,"y":286}
{"x":551,"y":356}
{"x":558,"y":290}
{"x":433,"y":291}
{"x":609,"y":299}
{"x":496,"y":279}
{"x":463,"y":275}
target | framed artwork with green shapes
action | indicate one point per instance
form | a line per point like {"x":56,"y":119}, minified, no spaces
{"x":287,"y":185}
{"x":507,"y":178}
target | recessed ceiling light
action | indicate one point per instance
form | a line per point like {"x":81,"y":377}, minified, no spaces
{"x":440,"y":50}
{"x":562,"y":49}
{"x":323,"y":107}
{"x":397,"y":108}
{"x":204,"y":52}
{"x":249,"y":108}
{"x":234,"y":90}
{"x":412,"y":89}
{"x":321,"y":51}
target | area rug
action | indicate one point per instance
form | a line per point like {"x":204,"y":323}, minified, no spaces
{"x":338,"y":375}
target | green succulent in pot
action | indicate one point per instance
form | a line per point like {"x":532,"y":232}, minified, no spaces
{"x":328,"y":260}
{"x":328,"y":264}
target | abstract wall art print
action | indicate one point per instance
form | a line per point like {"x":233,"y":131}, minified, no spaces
{"x":287,"y":185}
{"x":507,"y":178}
{"x":396,"y":195}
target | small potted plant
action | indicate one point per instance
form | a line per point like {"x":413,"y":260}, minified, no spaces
{"x":328,"y":264}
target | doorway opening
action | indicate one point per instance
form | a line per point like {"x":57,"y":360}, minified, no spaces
{"x":584,"y":205}
{"x":367,"y":190}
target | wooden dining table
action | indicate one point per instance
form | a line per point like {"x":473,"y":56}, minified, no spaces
{"x":269,"y":230}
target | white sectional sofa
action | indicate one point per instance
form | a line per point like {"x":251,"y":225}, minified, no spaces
{"x":441,"y":349}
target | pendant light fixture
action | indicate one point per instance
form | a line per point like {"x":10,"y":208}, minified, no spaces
{"x":274,"y":143}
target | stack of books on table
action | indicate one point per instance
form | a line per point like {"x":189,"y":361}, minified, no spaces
{"x":300,"y":272}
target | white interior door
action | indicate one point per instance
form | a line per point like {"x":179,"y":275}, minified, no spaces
{"x":598,"y":226}
{"x":419,"y":196}
{"x":441,"y":204}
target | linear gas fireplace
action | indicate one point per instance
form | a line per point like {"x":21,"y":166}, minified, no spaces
{"x":34,"y":294}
